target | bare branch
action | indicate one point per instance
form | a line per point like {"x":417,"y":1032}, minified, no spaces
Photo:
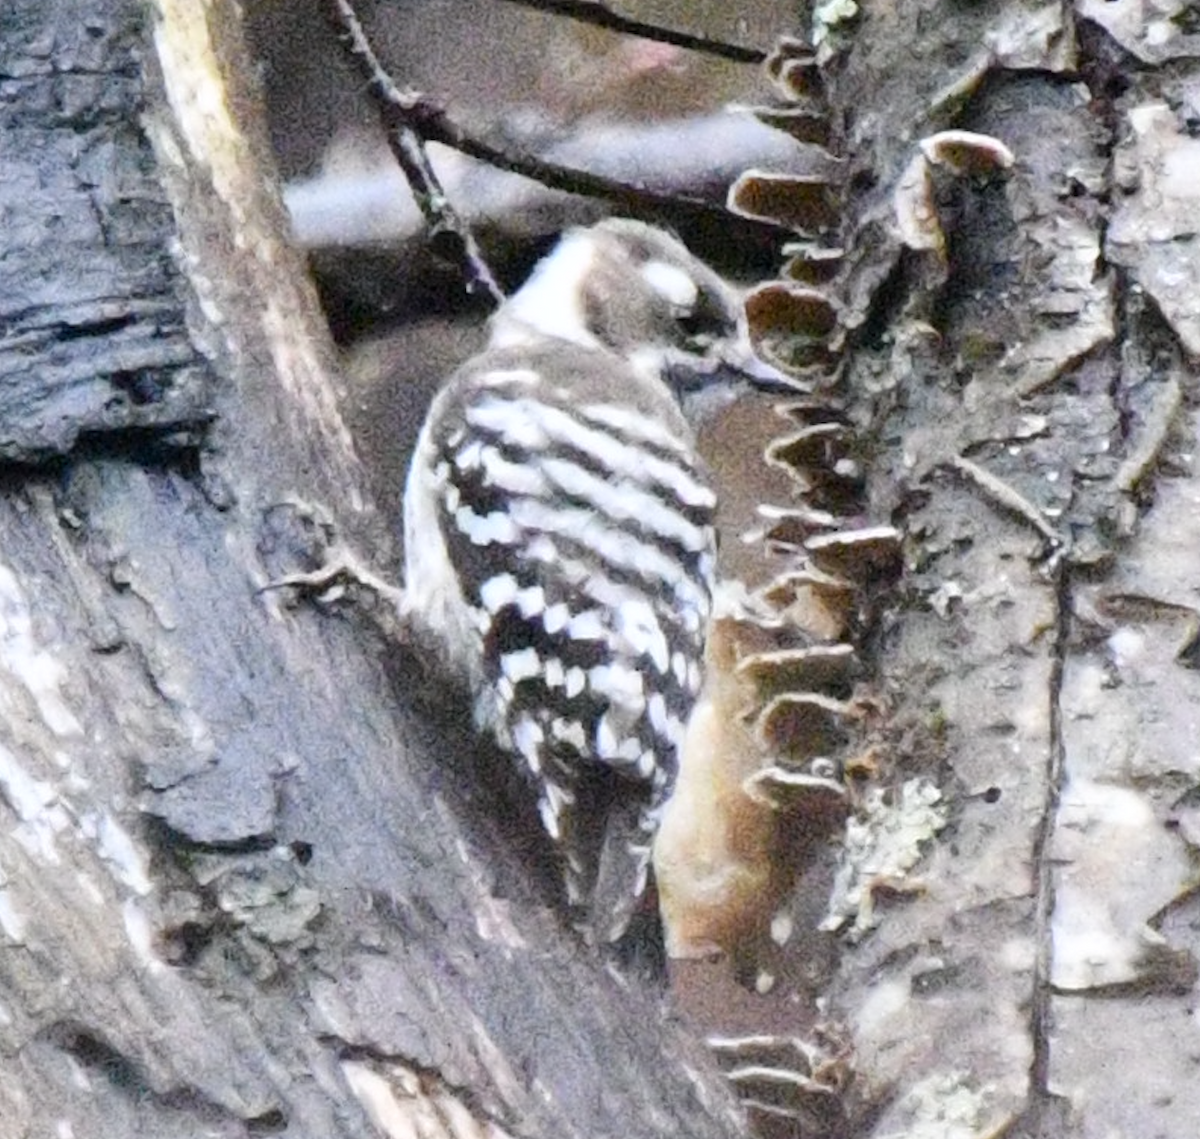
{"x":405,"y":118}
{"x":410,"y":110}
{"x":598,"y":13}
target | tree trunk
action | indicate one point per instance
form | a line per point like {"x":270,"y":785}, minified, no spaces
{"x":1020,"y":369}
{"x":243,"y":888}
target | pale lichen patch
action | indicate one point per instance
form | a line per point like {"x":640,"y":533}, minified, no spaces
{"x":883,"y":843}
{"x":35,"y":669}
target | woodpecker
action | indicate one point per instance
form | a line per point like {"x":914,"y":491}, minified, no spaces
{"x":559,"y":537}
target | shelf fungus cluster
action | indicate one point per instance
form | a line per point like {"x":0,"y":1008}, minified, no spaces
{"x":794,"y":320}
{"x":788,"y":1077}
{"x":787,"y":752}
{"x":784,"y":715}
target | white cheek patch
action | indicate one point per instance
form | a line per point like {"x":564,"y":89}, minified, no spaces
{"x":672,"y":284}
{"x":550,"y":303}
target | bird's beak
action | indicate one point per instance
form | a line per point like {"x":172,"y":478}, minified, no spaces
{"x":730,"y":371}
{"x":741,"y":361}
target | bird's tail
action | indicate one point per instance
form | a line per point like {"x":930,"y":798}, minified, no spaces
{"x":609,"y":864}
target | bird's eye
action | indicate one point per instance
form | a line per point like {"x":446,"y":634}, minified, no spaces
{"x":696,"y":331}
{"x":702,"y":326}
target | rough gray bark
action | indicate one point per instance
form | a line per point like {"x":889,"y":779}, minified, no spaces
{"x":1025,"y":393}
{"x":243,"y":888}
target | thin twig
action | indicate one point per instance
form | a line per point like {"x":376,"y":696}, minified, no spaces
{"x":405,"y":118}
{"x":1007,"y":497}
{"x":1153,"y":439}
{"x":342,"y":567}
{"x":416,"y":111}
{"x":600,"y":14}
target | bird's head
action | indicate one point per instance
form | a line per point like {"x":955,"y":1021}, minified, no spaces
{"x":634,"y":290}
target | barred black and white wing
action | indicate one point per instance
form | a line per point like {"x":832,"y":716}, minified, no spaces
{"x":560,"y":541}
{"x":559,"y":536}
